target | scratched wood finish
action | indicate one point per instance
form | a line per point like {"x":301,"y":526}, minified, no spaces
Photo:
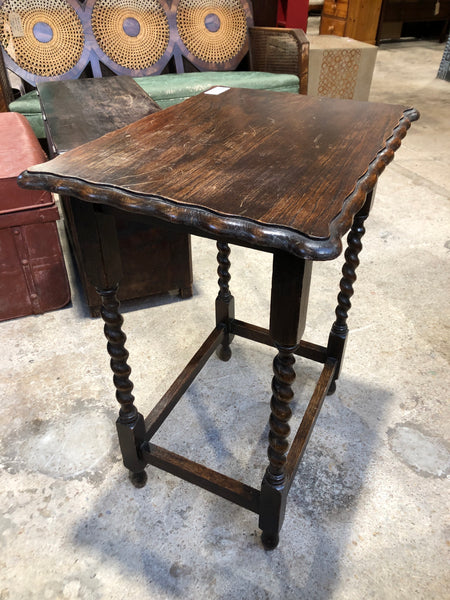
{"x":81,"y":110}
{"x":267,"y":169}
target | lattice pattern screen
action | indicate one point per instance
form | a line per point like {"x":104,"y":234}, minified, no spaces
{"x":56,"y":39}
{"x":339,"y":73}
{"x":43,"y":37}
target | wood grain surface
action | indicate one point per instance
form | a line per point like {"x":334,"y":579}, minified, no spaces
{"x":274,"y":170}
{"x":80,"y":110}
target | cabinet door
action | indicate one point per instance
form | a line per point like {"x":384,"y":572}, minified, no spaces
{"x":357,"y":19}
{"x":331,"y":26}
{"x":362,"y":20}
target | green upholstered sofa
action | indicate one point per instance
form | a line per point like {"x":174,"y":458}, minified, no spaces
{"x":273,"y":58}
{"x":172,"y":88}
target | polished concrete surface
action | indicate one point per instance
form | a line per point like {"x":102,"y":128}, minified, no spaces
{"x":367,"y":516}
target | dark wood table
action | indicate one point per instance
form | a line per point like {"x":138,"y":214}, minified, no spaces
{"x":76,"y":111}
{"x":281,"y":173}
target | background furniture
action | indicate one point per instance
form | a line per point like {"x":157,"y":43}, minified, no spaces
{"x":234,"y":180}
{"x":340,"y":67}
{"x":315,"y":7}
{"x":33,"y":276}
{"x":377,"y":20}
{"x":78,"y":111}
{"x":412,"y":17}
{"x":62,"y":39}
{"x":293,"y":13}
{"x":265,"y":13}
{"x":357,"y":19}
{"x":285,"y":13}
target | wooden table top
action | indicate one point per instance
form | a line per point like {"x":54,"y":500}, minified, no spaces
{"x":80,"y":110}
{"x":265,"y":169}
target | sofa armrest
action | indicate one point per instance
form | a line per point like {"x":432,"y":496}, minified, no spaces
{"x":280,"y":50}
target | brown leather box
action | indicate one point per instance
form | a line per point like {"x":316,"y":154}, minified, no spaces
{"x":33,"y":276}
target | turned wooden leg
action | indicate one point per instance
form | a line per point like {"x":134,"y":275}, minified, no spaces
{"x":290,"y":288}
{"x":339,"y":331}
{"x":273,"y":485}
{"x":130,"y":424}
{"x":104,"y":271}
{"x":224,"y":300}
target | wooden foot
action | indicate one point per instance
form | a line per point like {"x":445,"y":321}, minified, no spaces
{"x":186,"y":292}
{"x":138,"y":479}
{"x":224,"y":353}
{"x":270,"y":540}
{"x":332,"y":388}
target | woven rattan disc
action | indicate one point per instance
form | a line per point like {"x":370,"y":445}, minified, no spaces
{"x":214,"y":31}
{"x":43,"y":37}
{"x":132,"y":33}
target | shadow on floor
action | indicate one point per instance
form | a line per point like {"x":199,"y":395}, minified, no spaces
{"x":183,"y":542}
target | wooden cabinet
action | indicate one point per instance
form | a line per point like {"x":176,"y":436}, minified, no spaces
{"x":413,"y":17}
{"x":265,"y":13}
{"x":357,"y":19}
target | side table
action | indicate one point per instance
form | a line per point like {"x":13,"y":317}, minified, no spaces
{"x":76,"y":111}
{"x":276,"y":172}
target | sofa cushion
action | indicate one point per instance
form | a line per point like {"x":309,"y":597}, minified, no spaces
{"x":173,"y":88}
{"x":28,"y":105}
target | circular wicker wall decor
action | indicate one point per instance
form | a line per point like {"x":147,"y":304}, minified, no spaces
{"x":134,"y":34}
{"x":44,"y":38}
{"x":214,"y":31}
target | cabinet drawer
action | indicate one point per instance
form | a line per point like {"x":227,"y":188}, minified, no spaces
{"x":335,"y":8}
{"x":330,"y":26}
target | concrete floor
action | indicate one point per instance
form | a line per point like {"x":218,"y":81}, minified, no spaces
{"x":367,"y":515}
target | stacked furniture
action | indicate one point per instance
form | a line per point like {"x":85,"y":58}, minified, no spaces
{"x":33,"y":276}
{"x":406,"y":17}
{"x":173,"y":49}
{"x":355,"y":19}
{"x":190,"y":44}
{"x":378,"y":20}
